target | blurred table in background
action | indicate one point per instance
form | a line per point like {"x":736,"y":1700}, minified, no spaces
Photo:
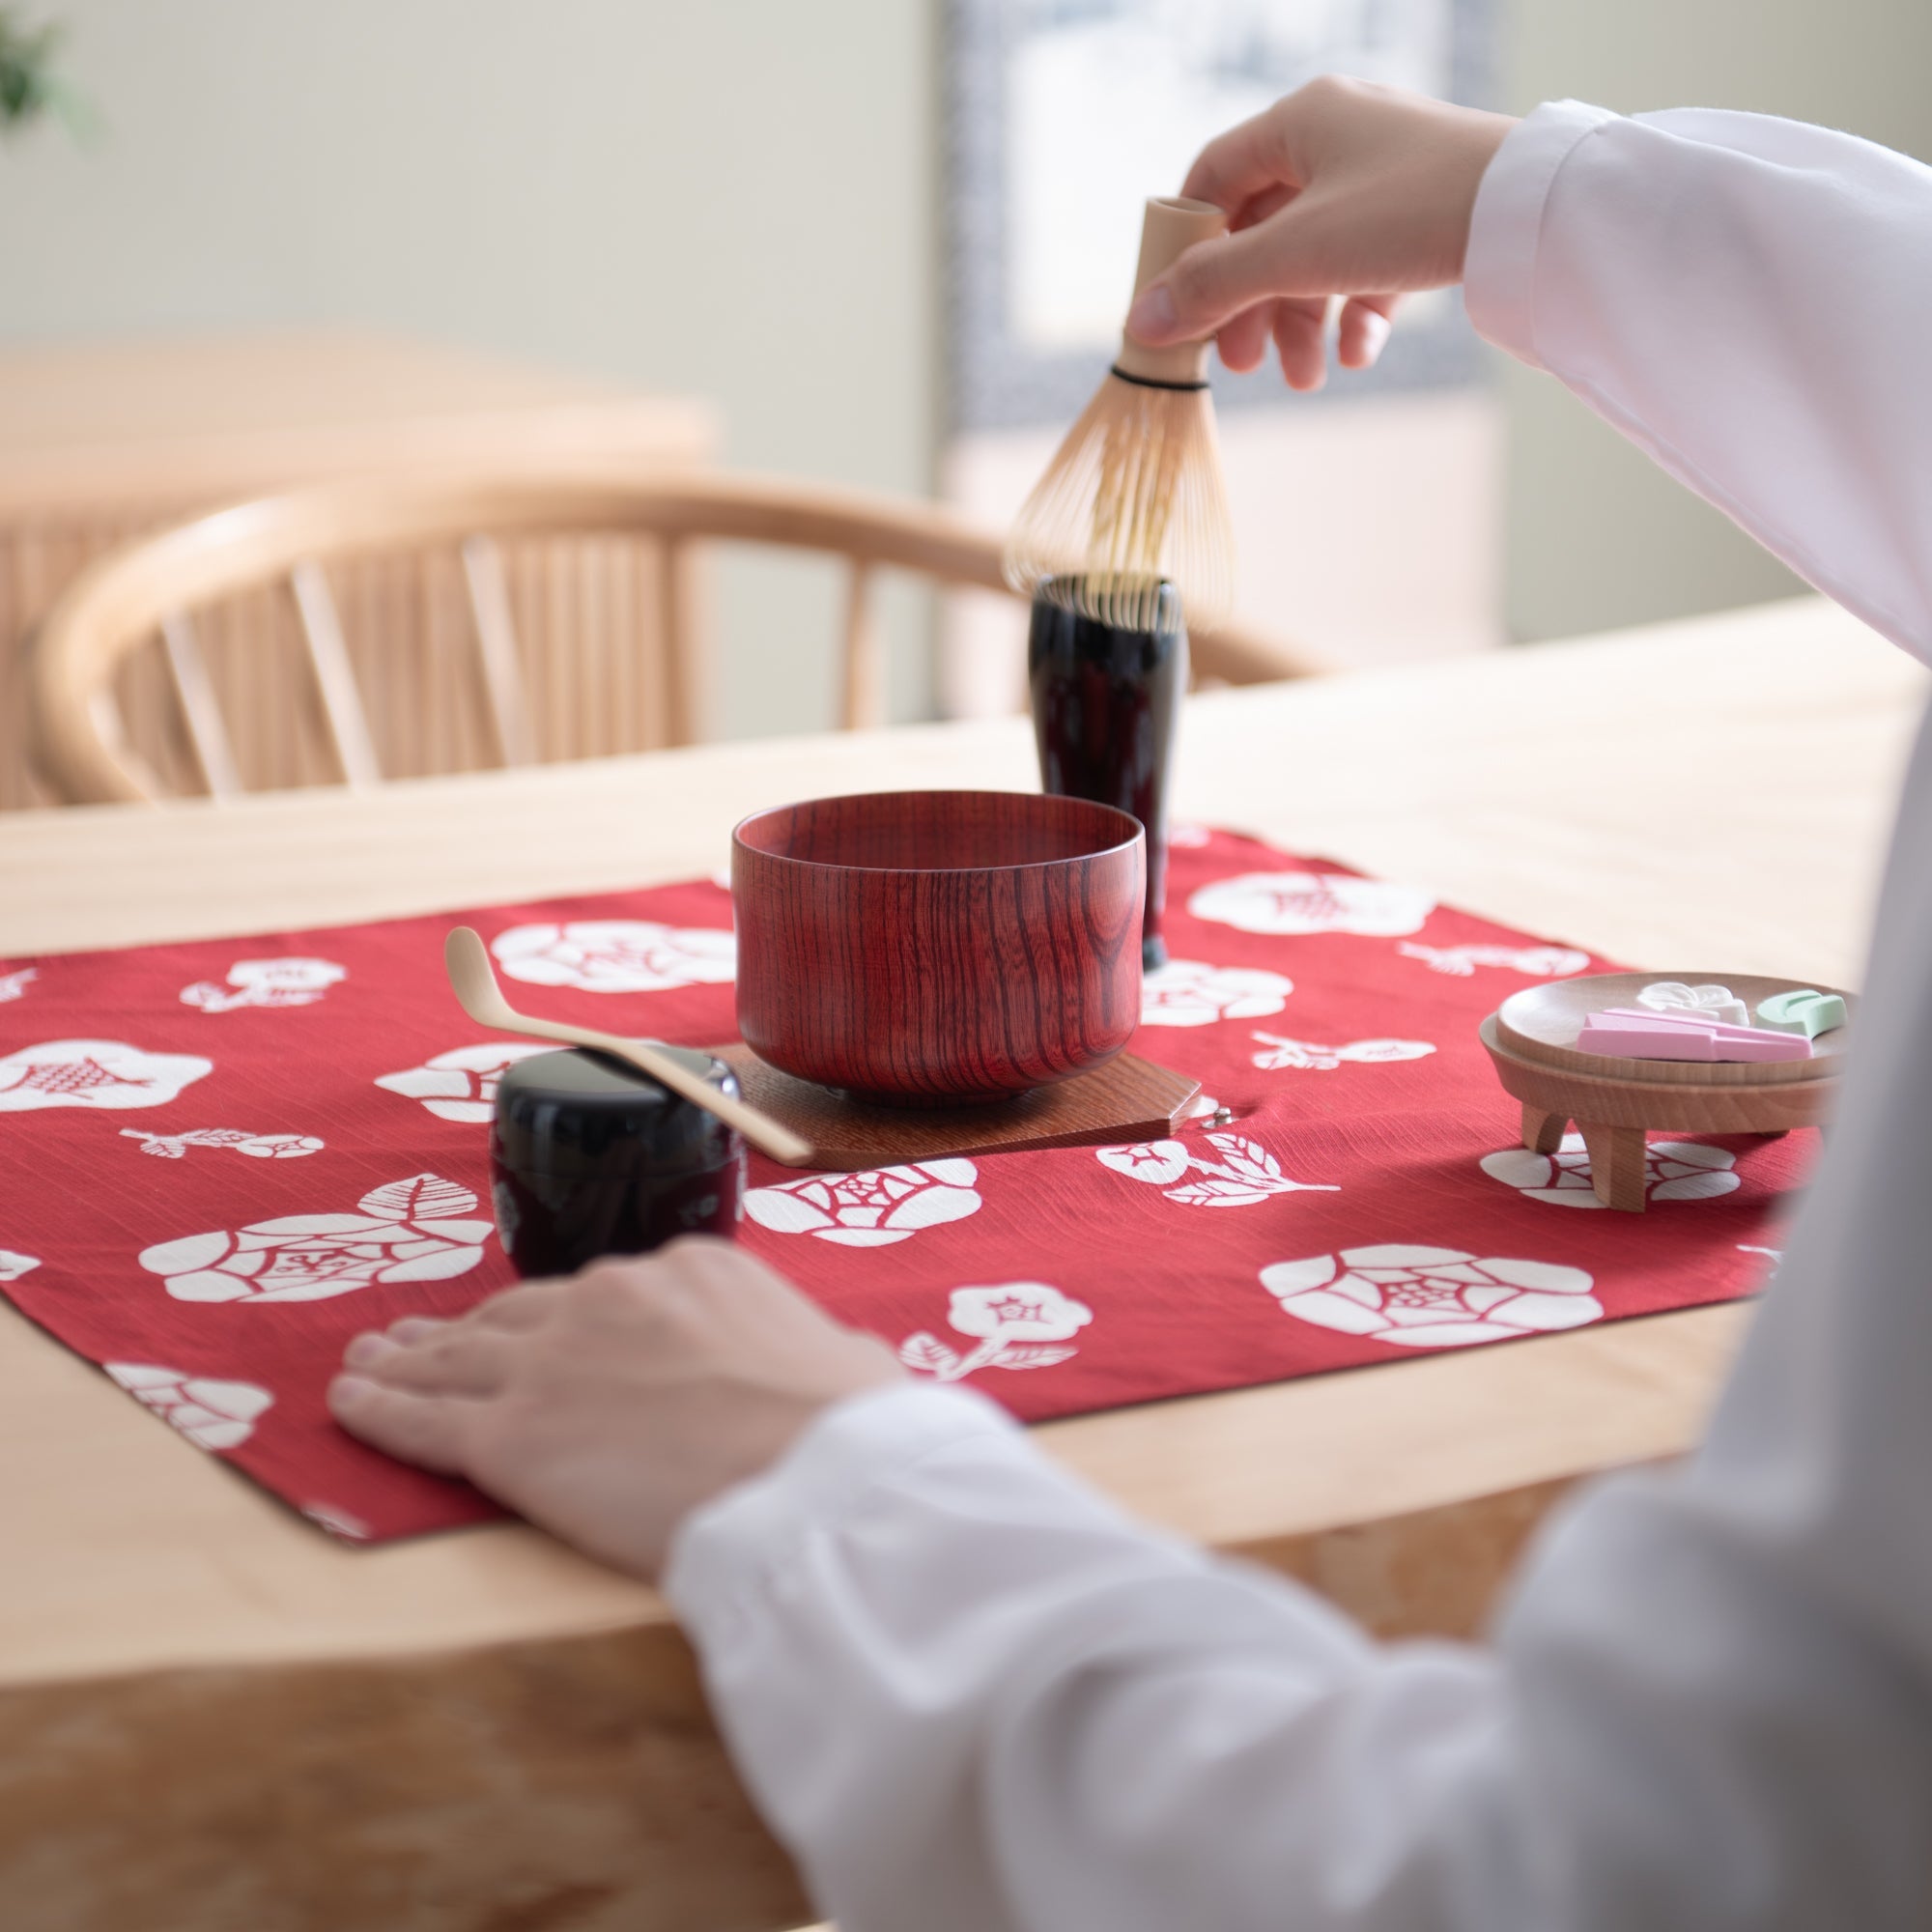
{"x":98,"y":442}
{"x":215,"y":1717}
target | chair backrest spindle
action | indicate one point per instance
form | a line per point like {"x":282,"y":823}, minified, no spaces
{"x":334,"y":677}
{"x":676,"y":618}
{"x":205,"y":731}
{"x":865,"y":670}
{"x":496,"y":651}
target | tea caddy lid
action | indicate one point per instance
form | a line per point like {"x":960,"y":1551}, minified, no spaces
{"x":575,"y":1114}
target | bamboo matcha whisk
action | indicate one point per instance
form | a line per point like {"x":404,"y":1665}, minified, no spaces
{"x":1136,"y":495}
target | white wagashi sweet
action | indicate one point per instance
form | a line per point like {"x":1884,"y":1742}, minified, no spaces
{"x":1707,"y":1002}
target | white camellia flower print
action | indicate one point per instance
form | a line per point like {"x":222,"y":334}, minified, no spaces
{"x":258,"y":1146}
{"x":1278,"y":1051}
{"x":1673,"y":1170}
{"x":408,"y":1229}
{"x":1415,"y":1298}
{"x":1305,"y":903}
{"x":1156,"y":1162}
{"x":1459,"y":962}
{"x":1016,"y":1324}
{"x":212,"y":1414}
{"x":289,"y":981}
{"x":617,"y":955}
{"x":12,"y":1266}
{"x":1246,"y":1171}
{"x":14,"y":985}
{"x":1189,"y":993}
{"x":870,"y":1209}
{"x":460,"y":1085}
{"x":93,"y":1073}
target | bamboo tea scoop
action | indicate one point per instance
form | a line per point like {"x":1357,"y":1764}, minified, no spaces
{"x":473,"y":980}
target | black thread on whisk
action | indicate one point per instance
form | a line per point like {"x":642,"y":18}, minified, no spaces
{"x":1152,"y":382}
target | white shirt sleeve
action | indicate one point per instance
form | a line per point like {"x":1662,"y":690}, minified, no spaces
{"x":1750,"y":300}
{"x":971,"y":1696}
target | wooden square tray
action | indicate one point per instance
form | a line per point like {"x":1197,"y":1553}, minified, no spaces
{"x":1126,"y":1099}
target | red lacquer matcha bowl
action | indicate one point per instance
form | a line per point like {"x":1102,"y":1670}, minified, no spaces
{"x":934,"y":948}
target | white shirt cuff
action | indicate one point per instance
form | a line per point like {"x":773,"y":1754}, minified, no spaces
{"x":1499,"y":269}
{"x":725,"y":1549}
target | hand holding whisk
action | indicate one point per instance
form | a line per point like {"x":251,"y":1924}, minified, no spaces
{"x":1135,"y":495}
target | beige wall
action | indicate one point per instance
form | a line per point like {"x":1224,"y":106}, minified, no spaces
{"x":1595,"y":536}
{"x":736,"y":199}
{"x":740,"y":200}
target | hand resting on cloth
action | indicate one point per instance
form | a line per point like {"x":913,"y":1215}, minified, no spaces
{"x":608,"y":1406}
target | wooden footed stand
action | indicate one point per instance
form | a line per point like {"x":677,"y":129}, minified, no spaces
{"x":1616,"y":1154}
{"x":1616,"y":1102}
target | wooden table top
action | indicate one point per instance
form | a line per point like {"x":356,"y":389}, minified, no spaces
{"x":1712,"y":794}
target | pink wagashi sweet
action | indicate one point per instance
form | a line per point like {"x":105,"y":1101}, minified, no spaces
{"x":1634,"y":1042}
{"x":1649,"y":1035}
{"x":1718,"y":1029}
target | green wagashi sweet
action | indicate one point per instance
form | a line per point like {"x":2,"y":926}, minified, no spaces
{"x":1805,"y":1010}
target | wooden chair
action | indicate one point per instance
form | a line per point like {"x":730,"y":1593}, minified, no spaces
{"x":298,"y":548}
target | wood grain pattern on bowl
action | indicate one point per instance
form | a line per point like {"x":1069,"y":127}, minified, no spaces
{"x":931,"y":947}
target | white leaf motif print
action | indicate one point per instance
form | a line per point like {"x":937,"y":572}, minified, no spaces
{"x":1311,"y":902}
{"x":1031,"y":1355}
{"x":212,"y":1414}
{"x":422,"y":1197}
{"x":265,"y":982}
{"x":14,"y":985}
{"x":1673,"y":1170}
{"x":410,"y":1229}
{"x":927,"y":1355}
{"x":1219,"y":1191}
{"x":870,"y":1209}
{"x":460,"y":1085}
{"x":13,"y":1265}
{"x":338,"y":1521}
{"x":1246,"y":1172}
{"x":1427,"y":1297}
{"x":257,"y":1146}
{"x":617,"y":955}
{"x":1016,"y":1325}
{"x":1190,"y":993}
{"x":1459,"y":962}
{"x":106,"y":1073}
{"x":1246,"y":1159}
{"x":1278,"y":1051}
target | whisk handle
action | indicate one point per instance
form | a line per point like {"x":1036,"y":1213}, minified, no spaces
{"x":1171,"y":226}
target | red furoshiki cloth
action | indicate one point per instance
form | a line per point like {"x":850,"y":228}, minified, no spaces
{"x":221,"y":1160}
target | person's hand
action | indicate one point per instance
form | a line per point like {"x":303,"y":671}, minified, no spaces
{"x":607,"y":1407}
{"x":1343,"y":188}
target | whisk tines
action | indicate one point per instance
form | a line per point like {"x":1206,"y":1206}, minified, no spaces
{"x":1135,"y":497}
